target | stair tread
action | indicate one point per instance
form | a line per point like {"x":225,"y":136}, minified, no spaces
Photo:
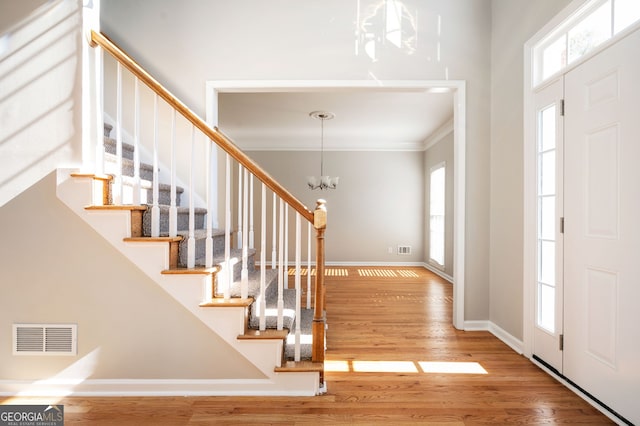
{"x":293,"y":366}
{"x":269,"y":333}
{"x":196,"y":270}
{"x":153,"y":239}
{"x":117,"y":207}
{"x":231,"y":303}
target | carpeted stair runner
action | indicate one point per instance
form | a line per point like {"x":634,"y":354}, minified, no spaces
{"x":271,"y":293}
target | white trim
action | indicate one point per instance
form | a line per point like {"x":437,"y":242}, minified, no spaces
{"x":507,"y":338}
{"x":560,"y":24}
{"x":457,"y":87}
{"x":164,"y":387}
{"x":438,"y":272}
{"x":459,"y":197}
{"x":491,"y":327}
{"x":476,"y":325}
{"x":438,"y":135}
{"x":259,"y":147}
{"x":529,"y":173}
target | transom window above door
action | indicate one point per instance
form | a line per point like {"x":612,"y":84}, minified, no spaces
{"x":593,"y":24}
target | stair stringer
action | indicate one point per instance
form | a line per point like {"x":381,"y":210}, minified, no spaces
{"x":189,"y":290}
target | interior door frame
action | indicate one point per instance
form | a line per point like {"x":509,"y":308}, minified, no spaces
{"x":457,"y":88}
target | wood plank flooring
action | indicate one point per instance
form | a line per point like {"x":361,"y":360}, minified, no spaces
{"x":393,"y":357}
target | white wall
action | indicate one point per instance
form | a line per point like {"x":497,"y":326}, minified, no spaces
{"x":56,"y":269}
{"x":379,"y":202}
{"x":40,"y":91}
{"x":506,"y":151}
{"x":184,"y":44}
{"x":187,"y":43}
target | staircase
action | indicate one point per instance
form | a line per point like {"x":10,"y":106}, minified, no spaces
{"x":271,"y":293}
{"x":250,"y":306}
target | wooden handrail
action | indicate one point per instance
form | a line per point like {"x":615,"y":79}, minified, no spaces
{"x":224,"y":142}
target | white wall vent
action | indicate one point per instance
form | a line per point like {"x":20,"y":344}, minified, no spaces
{"x":404,"y":249}
{"x":45,"y":339}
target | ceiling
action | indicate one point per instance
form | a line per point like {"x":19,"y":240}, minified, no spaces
{"x":365,"y":119}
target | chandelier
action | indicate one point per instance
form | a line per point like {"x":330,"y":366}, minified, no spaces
{"x":323,"y":182}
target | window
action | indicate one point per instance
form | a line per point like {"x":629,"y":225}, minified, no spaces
{"x":595,"y":23}
{"x":436,"y":215}
{"x":546,"y":268}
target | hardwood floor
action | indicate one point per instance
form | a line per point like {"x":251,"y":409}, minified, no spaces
{"x":393,"y":357}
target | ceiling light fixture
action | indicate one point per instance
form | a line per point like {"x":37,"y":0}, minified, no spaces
{"x":324,"y":182}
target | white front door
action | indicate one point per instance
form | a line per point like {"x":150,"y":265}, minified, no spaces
{"x":548,"y":294}
{"x":602,"y":227}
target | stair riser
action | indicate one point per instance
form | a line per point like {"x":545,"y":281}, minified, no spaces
{"x":110,"y":167}
{"x":218,"y":258}
{"x":146,"y":195}
{"x":183,"y":222}
{"x":146,"y":170}
{"x":164,"y":196}
{"x":110,"y":148}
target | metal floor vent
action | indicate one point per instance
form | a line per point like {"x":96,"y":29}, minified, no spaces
{"x":45,"y":339}
{"x":404,"y":249}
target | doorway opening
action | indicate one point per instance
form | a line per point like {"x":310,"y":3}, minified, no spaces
{"x":428,"y":87}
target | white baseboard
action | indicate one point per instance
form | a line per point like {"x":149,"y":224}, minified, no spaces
{"x":508,"y":339}
{"x":514,"y":343}
{"x":438,"y":272}
{"x":476,"y":326}
{"x":369,"y":263}
{"x":160,"y":387}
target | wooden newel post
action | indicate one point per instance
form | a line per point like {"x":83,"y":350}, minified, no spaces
{"x":320,"y":224}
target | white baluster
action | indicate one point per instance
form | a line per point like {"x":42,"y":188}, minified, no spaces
{"x":263,"y":259}
{"x":251,"y":236}
{"x":191,"y":241}
{"x":240,"y":206}
{"x":117,"y":182}
{"x":99,"y":85}
{"x":280,"y":306}
{"x":135,"y":200}
{"x":298,"y":290}
{"x":308,"y":265}
{"x":285,"y":270}
{"x":173,"y":209}
{"x":274,"y":252}
{"x":227,"y":276}
{"x":155,"y":209}
{"x":209,"y":217}
{"x":244,"y":275}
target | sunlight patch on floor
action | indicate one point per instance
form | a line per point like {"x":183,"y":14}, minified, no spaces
{"x":426,"y":367}
{"x":452,"y":367}
{"x":328,"y":272}
{"x":387,"y":273}
{"x":384,"y":367}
